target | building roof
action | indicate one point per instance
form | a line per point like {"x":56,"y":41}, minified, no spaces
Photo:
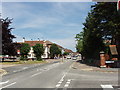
{"x":48,"y":42}
{"x":68,"y":50}
{"x":32,"y":43}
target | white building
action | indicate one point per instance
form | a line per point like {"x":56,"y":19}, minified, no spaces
{"x":46,"y":45}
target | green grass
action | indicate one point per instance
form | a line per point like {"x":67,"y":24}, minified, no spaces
{"x":23,"y":62}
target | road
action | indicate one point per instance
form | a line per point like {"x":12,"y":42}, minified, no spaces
{"x":57,"y":75}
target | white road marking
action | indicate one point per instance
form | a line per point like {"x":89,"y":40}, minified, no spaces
{"x":9,"y":85}
{"x":106,"y":86}
{"x":36,"y":74}
{"x":59,"y":82}
{"x":58,"y":85}
{"x":67,"y":83}
{"x":69,"y":80}
{"x":25,"y":68}
{"x":4,"y":82}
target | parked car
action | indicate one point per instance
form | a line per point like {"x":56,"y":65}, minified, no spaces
{"x":68,"y":57}
{"x":74,"y":58}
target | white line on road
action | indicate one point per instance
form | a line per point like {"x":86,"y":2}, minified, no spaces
{"x":67,"y":83}
{"x":36,"y":74}
{"x":60,"y":82}
{"x":4,"y":82}
{"x":9,"y":85}
{"x":58,"y":85}
{"x":24,"y":68}
{"x":106,"y":86}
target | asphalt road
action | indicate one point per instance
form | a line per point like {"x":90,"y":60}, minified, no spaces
{"x":57,"y":75}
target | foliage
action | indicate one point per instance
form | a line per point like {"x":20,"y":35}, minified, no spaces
{"x":38,"y":51}
{"x":79,"y":39}
{"x":66,"y":53}
{"x":102,"y":23}
{"x":24,"y":50}
{"x":54,"y":51}
{"x":8,"y":48}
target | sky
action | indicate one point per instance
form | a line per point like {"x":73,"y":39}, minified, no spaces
{"x":57,"y":22}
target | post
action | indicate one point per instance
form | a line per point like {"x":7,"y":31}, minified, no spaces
{"x":102,"y":59}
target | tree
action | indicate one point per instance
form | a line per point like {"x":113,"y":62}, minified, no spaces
{"x":102,"y":23}
{"x":24,"y":50}
{"x":8,"y":47}
{"x":66,"y":53}
{"x":38,"y":50}
{"x":54,"y":51}
{"x":79,"y":39}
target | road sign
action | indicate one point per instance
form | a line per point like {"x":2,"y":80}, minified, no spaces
{"x":109,"y":61}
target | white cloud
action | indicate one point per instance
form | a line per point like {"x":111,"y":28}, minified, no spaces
{"x":38,"y":22}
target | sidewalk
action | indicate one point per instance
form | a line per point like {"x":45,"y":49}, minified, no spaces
{"x":84,"y":67}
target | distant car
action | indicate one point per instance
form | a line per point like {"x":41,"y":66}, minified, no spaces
{"x":68,"y":57}
{"x":74,"y":58}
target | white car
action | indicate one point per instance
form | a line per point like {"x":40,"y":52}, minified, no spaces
{"x":68,"y":57}
{"x":74,"y":58}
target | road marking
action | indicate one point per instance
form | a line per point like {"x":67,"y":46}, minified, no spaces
{"x":67,"y":83}
{"x":25,"y":68}
{"x":106,"y":86}
{"x":58,"y":85}
{"x":60,"y":82}
{"x":9,"y":85}
{"x":4,"y":82}
{"x":36,"y":74}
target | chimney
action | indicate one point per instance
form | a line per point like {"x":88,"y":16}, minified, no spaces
{"x":38,"y":39}
{"x":23,"y":39}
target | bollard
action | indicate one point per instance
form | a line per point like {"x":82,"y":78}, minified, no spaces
{"x":102,"y":59}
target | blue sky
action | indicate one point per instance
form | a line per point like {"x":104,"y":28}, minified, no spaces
{"x":58,"y":22}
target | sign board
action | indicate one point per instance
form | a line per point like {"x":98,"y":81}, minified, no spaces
{"x":109,"y":61}
{"x":113,"y":49}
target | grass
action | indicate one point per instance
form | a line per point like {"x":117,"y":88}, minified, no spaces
{"x":22,"y":62}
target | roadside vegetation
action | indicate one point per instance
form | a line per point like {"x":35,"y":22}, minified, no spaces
{"x":54,"y":51}
{"x":22,"y":62}
{"x":24,"y":50}
{"x":38,"y":51}
{"x":101,"y":28}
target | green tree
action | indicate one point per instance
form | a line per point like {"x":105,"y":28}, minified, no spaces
{"x":8,"y":47}
{"x":54,"y":51}
{"x":79,"y":39}
{"x":102,"y":23}
{"x":24,"y":50}
{"x":38,"y":50}
{"x":66,"y":53}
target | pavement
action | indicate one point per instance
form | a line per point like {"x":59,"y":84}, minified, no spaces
{"x":59,"y":75}
{"x":84,"y":67}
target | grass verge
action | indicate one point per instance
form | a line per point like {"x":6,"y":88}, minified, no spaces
{"x":22,"y":62}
